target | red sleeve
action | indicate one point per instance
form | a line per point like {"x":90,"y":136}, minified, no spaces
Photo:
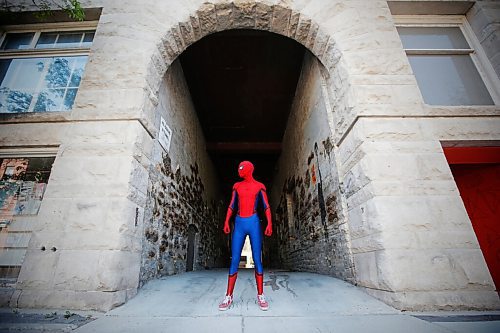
{"x":264,"y":197}
{"x":234,"y":199}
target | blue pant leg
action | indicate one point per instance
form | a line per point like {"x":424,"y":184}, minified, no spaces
{"x":237,"y":242}
{"x":255,"y":234}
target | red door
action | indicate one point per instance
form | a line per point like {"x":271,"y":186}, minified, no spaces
{"x":477,"y":174}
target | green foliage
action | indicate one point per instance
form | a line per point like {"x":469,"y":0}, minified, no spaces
{"x":46,"y":7}
{"x":71,"y":7}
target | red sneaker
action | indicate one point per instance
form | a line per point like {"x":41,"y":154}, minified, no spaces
{"x":226,"y":303}
{"x":261,"y":300}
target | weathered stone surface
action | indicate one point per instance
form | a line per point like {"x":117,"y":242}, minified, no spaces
{"x":310,"y":221}
{"x":177,"y":36}
{"x":82,"y":300}
{"x":293,"y":24}
{"x":311,"y":37}
{"x":208,"y":18}
{"x":33,"y":275}
{"x":263,"y":16}
{"x":302,"y":31}
{"x":484,"y":18}
{"x":280,"y":19}
{"x":224,"y":13}
{"x":96,"y":270}
{"x":187,"y":34}
{"x":320,"y":44}
{"x":195,"y":23}
{"x":244,"y":14}
{"x":181,"y":190}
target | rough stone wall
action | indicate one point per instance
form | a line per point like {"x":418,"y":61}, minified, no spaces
{"x":310,"y":225}
{"x":182,"y":190}
{"x":484,"y":18}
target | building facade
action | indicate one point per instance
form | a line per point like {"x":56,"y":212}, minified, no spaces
{"x":386,"y":172}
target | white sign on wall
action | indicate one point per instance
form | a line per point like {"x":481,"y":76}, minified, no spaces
{"x":165,"y":135}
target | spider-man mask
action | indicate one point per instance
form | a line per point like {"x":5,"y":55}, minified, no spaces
{"x":245,"y":170}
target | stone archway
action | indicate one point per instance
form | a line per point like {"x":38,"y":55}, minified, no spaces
{"x":285,"y":21}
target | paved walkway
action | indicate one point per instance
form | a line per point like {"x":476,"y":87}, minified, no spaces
{"x":299,"y":302}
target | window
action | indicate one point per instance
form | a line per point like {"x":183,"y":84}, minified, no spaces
{"x":41,"y":70}
{"x":445,"y":63}
{"x":24,"y":175}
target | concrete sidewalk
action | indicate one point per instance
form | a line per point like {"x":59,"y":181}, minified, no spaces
{"x":299,"y":302}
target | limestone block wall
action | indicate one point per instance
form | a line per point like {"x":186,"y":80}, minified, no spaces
{"x":311,"y":228}
{"x":182,"y":189}
{"x":412,"y":240}
{"x":87,"y":216}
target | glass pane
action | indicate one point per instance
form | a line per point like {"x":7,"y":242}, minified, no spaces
{"x":43,"y":78}
{"x":432,"y":38}
{"x":88,"y":38}
{"x":44,"y":103}
{"x":78,"y":66}
{"x":69,"y":39}
{"x":449,"y":80}
{"x":69,"y":99}
{"x":4,"y":66}
{"x":14,"y":101}
{"x":46,"y":40}
{"x":58,"y":73}
{"x":25,"y":73}
{"x":17,"y":41}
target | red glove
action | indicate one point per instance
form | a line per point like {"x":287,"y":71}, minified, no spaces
{"x":227,"y":230}
{"x":269,"y":228}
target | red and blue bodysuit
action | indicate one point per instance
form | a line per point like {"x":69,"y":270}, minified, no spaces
{"x":245,"y":198}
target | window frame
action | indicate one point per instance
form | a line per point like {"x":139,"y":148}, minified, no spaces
{"x":476,"y":52}
{"x":32,"y":52}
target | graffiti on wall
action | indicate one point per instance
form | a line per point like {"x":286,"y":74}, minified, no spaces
{"x":22,"y":185}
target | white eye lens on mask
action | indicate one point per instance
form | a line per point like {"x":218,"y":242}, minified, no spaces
{"x":241,"y":167}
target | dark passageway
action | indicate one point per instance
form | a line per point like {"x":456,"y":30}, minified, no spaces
{"x":249,"y":95}
{"x":242,"y":83}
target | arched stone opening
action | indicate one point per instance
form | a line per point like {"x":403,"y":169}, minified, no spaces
{"x":191,"y":247}
{"x":310,"y":178}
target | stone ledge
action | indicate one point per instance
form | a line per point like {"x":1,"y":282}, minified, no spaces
{"x":81,"y":300}
{"x":426,"y":7}
{"x":437,"y":300}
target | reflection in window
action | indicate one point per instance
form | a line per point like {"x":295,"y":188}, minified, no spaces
{"x":65,"y":39}
{"x":40,"y":84}
{"x":440,"y":58}
{"x":449,"y":80}
{"x":23,"y":181}
{"x":17,"y":41}
{"x":42,"y":79}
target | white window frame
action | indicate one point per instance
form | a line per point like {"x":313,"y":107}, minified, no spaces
{"x":38,"y":29}
{"x":476,"y":52}
{"x":29,"y":152}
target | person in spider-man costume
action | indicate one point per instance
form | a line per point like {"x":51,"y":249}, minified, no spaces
{"x":244,"y":200}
